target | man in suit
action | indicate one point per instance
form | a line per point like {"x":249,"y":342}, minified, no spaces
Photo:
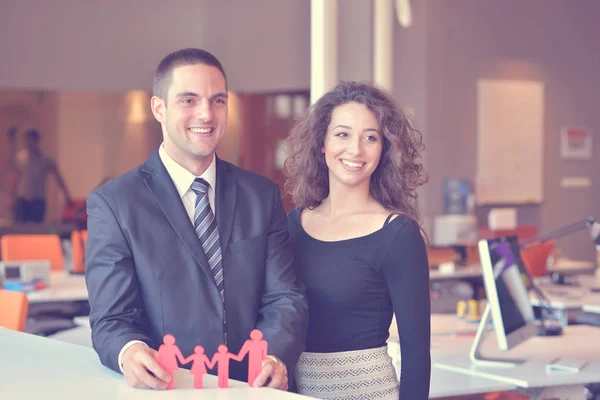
{"x":190,"y":245}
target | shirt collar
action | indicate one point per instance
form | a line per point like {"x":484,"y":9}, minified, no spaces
{"x":182,"y":178}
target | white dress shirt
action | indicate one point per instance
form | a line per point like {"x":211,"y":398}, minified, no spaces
{"x":182,"y":178}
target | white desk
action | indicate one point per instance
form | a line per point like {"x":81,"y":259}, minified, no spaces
{"x":442,"y":324}
{"x":568,"y":266}
{"x":443,"y":383}
{"x":569,"y":301}
{"x":36,"y":367}
{"x":460,"y":272}
{"x":563,"y":265}
{"x":567,"y":297}
{"x":62,"y":287}
{"x":592,"y":308}
{"x":80,"y":335}
{"x":447,"y":383}
{"x":577,"y":342}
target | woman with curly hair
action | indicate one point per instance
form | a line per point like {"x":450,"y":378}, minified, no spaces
{"x":353,"y":170}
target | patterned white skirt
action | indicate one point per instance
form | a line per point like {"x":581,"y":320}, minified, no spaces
{"x":360,"y":374}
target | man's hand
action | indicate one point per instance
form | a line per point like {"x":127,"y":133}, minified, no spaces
{"x":141,"y":370}
{"x":273,"y":374}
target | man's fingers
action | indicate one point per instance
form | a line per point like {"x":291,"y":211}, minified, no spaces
{"x":278,"y":379}
{"x":147,"y":379}
{"x":148,"y":360}
{"x":141,"y":369}
{"x":132,"y":379}
{"x":265,"y":373}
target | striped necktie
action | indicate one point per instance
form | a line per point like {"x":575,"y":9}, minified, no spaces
{"x":205,"y":225}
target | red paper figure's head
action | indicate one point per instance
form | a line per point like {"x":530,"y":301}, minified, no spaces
{"x":256,"y":334}
{"x":199,"y":349}
{"x":169,"y":339}
{"x":222,"y":349}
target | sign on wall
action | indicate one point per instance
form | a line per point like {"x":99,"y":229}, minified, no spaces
{"x":575,"y":143}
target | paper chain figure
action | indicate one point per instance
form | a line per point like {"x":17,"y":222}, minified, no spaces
{"x":255,"y":347}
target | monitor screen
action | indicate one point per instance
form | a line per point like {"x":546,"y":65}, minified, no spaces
{"x":12,"y":272}
{"x":506,"y":283}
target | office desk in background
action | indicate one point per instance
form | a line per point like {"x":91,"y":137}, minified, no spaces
{"x":446,"y":383}
{"x":569,"y":301}
{"x":52,"y":309}
{"x":591,"y":308}
{"x":579,"y":342}
{"x":36,"y":367}
{"x":62,"y":287}
{"x":473,"y":271}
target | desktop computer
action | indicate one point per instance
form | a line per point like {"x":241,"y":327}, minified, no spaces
{"x":508,"y":301}
{"x":557,"y":367}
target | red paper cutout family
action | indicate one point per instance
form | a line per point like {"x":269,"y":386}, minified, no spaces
{"x":255,"y":347}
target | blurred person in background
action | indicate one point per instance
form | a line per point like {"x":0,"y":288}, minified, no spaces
{"x":31,"y":168}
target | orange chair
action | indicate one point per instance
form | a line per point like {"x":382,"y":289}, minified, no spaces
{"x":536,"y":256}
{"x":78,"y":243}
{"x":33,"y":247}
{"x":13,"y":310}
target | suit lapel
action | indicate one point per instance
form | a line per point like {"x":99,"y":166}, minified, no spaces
{"x":225,"y":199}
{"x":162,"y":187}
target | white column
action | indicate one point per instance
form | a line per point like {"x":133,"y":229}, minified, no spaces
{"x":383,"y":35}
{"x":323,"y":47}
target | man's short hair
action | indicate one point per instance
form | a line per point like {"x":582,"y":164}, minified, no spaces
{"x":189,"y":56}
{"x":33,"y":134}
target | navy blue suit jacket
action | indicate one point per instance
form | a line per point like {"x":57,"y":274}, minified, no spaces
{"x":147,"y":275}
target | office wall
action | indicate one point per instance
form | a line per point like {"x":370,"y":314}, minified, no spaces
{"x":410,"y":89}
{"x":355,"y":40}
{"x":554,"y":41}
{"x":115,"y":45}
{"x":99,"y":135}
{"x":437,"y":63}
{"x":102,"y":135}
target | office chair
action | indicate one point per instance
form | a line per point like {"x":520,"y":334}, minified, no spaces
{"x":44,"y":318}
{"x":13,"y":310}
{"x":78,"y":243}
{"x":33,"y":247}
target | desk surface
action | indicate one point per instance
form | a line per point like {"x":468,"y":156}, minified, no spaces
{"x":562,"y":265}
{"x":446,"y":383}
{"x":441,"y":324}
{"x":578,"y":342}
{"x":63,"y":287}
{"x":592,"y":308}
{"x":37,"y":367}
{"x":443,"y":383}
{"x":566,"y":297}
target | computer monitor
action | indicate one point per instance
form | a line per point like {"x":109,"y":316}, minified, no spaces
{"x":506,"y":282}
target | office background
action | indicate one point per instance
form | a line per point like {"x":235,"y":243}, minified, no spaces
{"x":80,"y":72}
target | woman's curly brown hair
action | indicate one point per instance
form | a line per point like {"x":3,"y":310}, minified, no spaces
{"x":400,"y":170}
